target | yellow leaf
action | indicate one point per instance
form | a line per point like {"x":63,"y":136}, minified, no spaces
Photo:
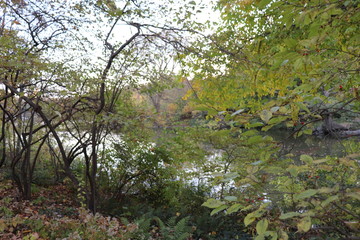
{"x":262,"y":226}
{"x":305,"y":224}
{"x":266,"y":115}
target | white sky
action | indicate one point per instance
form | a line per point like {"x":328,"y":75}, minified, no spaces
{"x":121,"y":34}
{"x":123,"y":31}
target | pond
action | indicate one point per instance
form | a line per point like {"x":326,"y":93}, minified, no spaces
{"x":316,"y":146}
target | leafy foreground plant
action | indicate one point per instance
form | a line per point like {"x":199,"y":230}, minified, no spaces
{"x":150,"y":227}
{"x":317,"y":199}
{"x":174,"y":230}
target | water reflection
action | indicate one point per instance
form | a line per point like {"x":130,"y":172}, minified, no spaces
{"x":310,"y":145}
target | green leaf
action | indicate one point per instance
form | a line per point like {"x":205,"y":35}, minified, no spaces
{"x":218,"y":209}
{"x":274,"y":109}
{"x":272,"y":234}
{"x":303,"y":106}
{"x":234,"y":208}
{"x":355,"y":195}
{"x":293,"y":171}
{"x":212,"y":203}
{"x":256,"y":214}
{"x":274,"y":170}
{"x":260,"y":237}
{"x":266,"y":128}
{"x":284,"y":110}
{"x":252,"y":169}
{"x":262,"y":207}
{"x":247,"y":208}
{"x":306,"y":158}
{"x":283,"y":235}
{"x":231,"y":198}
{"x":305,"y":194}
{"x":304,"y":225}
{"x":326,"y":190}
{"x":308,"y":131}
{"x":249,"y":219}
{"x":329,"y":200}
{"x":314,"y":29}
{"x":254,"y":139}
{"x":335,"y":11}
{"x":298,"y":169}
{"x":249,"y":133}
{"x":289,"y":215}
{"x":290,"y":42}
{"x":230,"y":176}
{"x":263,"y":3}
{"x":320,"y":161}
{"x":298,"y":64}
{"x":212,"y":112}
{"x":262,"y":226}
{"x":277,"y":120}
{"x":265,"y":115}
{"x":256,"y":124}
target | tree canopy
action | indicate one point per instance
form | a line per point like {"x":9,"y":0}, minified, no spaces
{"x":293,"y":61}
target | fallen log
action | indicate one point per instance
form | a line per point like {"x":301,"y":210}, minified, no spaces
{"x":347,"y":133}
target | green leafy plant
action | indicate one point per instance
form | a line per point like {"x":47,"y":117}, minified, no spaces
{"x":173,"y":229}
{"x":317,"y":192}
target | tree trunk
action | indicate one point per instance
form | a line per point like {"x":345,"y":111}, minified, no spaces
{"x":338,"y":130}
{"x":93,"y":167}
{"x":331,"y":126}
{"x":348,"y":133}
{"x":3,"y":137}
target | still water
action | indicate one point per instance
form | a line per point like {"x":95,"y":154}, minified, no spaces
{"x":318,"y":147}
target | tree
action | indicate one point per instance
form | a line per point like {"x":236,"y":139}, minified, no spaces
{"x":292,"y":64}
{"x":27,"y":78}
{"x":68,"y":100}
{"x":124,"y":58}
